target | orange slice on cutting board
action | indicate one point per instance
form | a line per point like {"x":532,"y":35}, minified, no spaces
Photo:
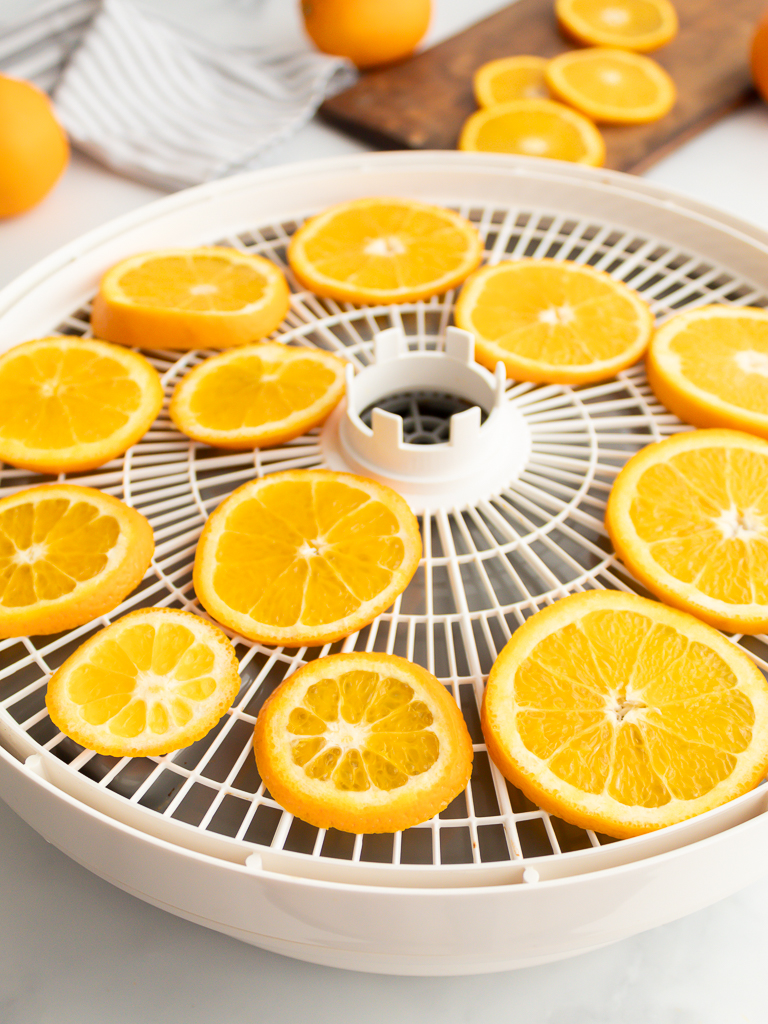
{"x":534,"y":128}
{"x":621,"y":715}
{"x":639,"y":25}
{"x":510,"y":78}
{"x":614,"y":86}
{"x":363,"y":743}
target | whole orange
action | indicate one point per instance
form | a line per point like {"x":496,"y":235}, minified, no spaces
{"x":33,"y":147}
{"x":369,"y":32}
{"x":759,"y":56}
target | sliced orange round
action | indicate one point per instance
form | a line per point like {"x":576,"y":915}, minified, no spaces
{"x":67,"y":555}
{"x":257,"y":395}
{"x":305,"y":557}
{"x":710,"y":367}
{"x":362,"y":743}
{"x":534,"y":128}
{"x":211,"y":297}
{"x":688,"y":516}
{"x":621,"y":715}
{"x":614,"y":86}
{"x":384,"y":250}
{"x":553,"y":321}
{"x":69,"y":404}
{"x":639,"y":25}
{"x":510,"y":78}
{"x":154,"y":681}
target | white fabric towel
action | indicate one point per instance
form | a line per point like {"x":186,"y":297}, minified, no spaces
{"x":161,"y":105}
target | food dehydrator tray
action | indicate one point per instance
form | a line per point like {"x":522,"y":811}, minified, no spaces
{"x":487,"y":565}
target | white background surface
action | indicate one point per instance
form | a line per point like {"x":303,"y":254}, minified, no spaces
{"x":75,"y":949}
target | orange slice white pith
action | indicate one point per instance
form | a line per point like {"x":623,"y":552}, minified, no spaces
{"x":305,"y":556}
{"x":621,"y":715}
{"x":362,"y":743}
{"x":209,"y":297}
{"x":67,"y":554}
{"x":553,"y":321}
{"x":384,"y":250}
{"x":688,"y":516}
{"x":154,"y":681}
{"x":257,"y":395}
{"x":70,"y":404}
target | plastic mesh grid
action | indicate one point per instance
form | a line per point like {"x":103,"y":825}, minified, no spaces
{"x":485,"y":568}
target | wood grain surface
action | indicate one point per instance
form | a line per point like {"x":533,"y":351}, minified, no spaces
{"x":422,"y":103}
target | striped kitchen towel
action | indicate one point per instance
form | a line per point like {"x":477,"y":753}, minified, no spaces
{"x":37,"y":44}
{"x":161,"y":105}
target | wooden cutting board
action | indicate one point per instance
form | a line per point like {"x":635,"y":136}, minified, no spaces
{"x":422,"y":103}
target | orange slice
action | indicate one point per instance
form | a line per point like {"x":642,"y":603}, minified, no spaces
{"x":154,"y":681}
{"x":212,"y":297}
{"x":67,"y":554}
{"x":362,"y":743}
{"x":553,"y":321}
{"x":639,"y":25}
{"x":384,"y":250}
{"x":257,"y":395}
{"x":69,"y":404}
{"x":614,"y":86}
{"x":305,"y":556}
{"x":688,"y":516}
{"x":510,"y":78}
{"x":622,"y":715}
{"x":534,"y":128}
{"x":710,"y":367}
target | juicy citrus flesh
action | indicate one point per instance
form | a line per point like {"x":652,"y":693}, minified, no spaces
{"x":362,"y":743}
{"x":209,"y":297}
{"x":689,"y":517}
{"x":510,"y":78}
{"x":553,"y":321}
{"x":622,"y":715}
{"x":67,"y":554}
{"x":257,"y":395}
{"x":614,"y":86}
{"x":69,"y":404}
{"x":384,"y":250}
{"x":639,"y":25}
{"x":33,"y":146}
{"x":305,"y":557}
{"x":154,"y":681}
{"x":710,"y":367}
{"x":534,"y":127}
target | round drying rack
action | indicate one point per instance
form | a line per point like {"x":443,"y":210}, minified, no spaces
{"x":492,"y":882}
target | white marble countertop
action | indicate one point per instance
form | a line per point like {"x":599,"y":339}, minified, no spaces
{"x":75,"y":949}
